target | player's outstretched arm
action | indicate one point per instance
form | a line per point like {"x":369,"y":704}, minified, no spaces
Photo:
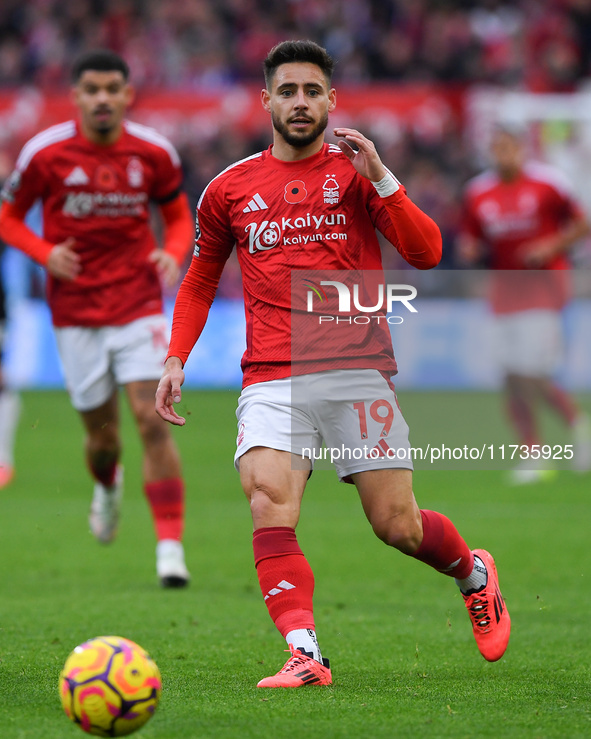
{"x":169,"y":391}
{"x":193,"y":301}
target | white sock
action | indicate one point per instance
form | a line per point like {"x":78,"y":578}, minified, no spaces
{"x":9,"y":415}
{"x":305,"y":639}
{"x":476,"y":580}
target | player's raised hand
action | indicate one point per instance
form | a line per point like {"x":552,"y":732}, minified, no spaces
{"x":167,"y":267}
{"x":63,"y":262}
{"x":169,"y":391}
{"x":364,"y":156}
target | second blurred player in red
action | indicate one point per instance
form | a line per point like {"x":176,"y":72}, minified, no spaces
{"x":522,"y":220}
{"x":96,"y":178}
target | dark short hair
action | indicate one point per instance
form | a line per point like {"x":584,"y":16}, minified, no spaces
{"x":288,"y":52}
{"x":99,"y":60}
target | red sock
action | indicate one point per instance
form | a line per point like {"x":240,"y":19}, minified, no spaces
{"x":104,"y":473}
{"x":443,"y":548}
{"x":523,"y":418}
{"x":562,"y":403}
{"x":285,"y":577}
{"x":167,"y":501}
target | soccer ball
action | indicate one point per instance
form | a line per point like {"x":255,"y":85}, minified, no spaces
{"x":109,"y":686}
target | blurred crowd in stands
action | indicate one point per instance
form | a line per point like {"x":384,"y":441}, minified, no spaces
{"x":183,"y":44}
{"x":191,"y":46}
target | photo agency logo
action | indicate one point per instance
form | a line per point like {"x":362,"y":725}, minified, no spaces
{"x":358,"y":303}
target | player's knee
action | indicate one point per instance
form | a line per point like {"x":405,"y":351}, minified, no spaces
{"x":403,"y":532}
{"x":262,"y":497}
{"x":153,"y":430}
{"x":104,"y":442}
{"x":271,"y":507}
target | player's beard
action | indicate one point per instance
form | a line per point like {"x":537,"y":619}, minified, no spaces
{"x":104,"y":129}
{"x":299,"y":140}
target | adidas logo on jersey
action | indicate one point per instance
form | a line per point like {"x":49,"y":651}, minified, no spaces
{"x":257,"y":203}
{"x":77,"y":177}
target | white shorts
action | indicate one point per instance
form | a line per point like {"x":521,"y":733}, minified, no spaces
{"x":529,"y":343}
{"x":354,"y":412}
{"x":97,"y":360}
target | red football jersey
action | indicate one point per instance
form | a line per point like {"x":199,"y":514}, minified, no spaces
{"x":314,"y":214}
{"x":100,"y":195}
{"x":509,"y":217}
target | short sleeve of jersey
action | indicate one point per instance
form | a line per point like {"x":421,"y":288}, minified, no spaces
{"x":214,"y":239}
{"x":169,"y":180}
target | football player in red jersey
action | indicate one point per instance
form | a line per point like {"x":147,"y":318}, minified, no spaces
{"x":96,"y":178}
{"x":306,"y":205}
{"x":521,"y":218}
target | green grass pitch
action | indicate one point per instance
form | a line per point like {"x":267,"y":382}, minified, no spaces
{"x":403,"y":657}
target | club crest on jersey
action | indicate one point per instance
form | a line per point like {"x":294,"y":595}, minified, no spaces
{"x":263,"y":236}
{"x":331,"y":190}
{"x":135,"y":172}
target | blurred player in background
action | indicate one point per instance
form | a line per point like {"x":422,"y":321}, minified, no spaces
{"x":522,"y":219}
{"x":328,"y":200}
{"x":9,"y":403}
{"x":9,"y":399}
{"x":96,"y":179}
